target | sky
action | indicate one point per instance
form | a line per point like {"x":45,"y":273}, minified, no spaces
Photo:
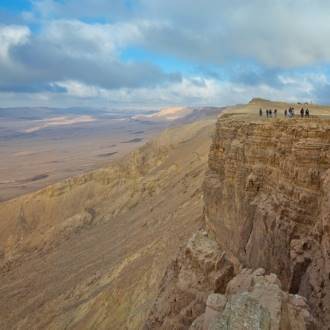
{"x":149,"y":54}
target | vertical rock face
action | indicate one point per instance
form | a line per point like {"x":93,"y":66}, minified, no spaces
{"x":267,"y":201}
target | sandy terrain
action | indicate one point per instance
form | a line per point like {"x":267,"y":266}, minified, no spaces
{"x":42,"y":146}
{"x":59,"y":121}
{"x":95,"y":247}
{"x":170,"y":114}
{"x":53,"y":149}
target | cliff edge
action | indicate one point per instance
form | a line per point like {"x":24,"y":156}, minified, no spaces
{"x":266,"y":207}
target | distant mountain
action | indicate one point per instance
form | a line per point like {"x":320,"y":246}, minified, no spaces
{"x":258,"y":100}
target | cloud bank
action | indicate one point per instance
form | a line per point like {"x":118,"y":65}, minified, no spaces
{"x":154,"y":53}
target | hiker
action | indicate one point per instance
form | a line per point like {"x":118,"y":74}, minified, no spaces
{"x":307,"y":113}
{"x":275,"y":113}
{"x":270,"y":113}
{"x":260,"y":112}
{"x":285,"y":112}
{"x":302,"y":112}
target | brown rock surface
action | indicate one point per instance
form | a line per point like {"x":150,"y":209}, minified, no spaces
{"x":255,"y":301}
{"x":200,"y":269}
{"x":267,"y":200}
{"x":252,"y":300}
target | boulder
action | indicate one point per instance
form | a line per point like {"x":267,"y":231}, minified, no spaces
{"x":255,"y":301}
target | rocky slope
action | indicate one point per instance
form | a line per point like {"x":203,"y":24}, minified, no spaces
{"x":90,"y":252}
{"x":266,"y":205}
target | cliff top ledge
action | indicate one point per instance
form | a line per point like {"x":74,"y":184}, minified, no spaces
{"x":250,"y":111}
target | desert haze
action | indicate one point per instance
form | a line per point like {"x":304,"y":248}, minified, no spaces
{"x":39,"y":146}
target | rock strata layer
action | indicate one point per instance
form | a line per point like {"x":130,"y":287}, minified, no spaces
{"x":267,"y":218}
{"x":266,"y":199}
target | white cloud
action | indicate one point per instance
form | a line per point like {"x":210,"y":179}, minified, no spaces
{"x":284,"y":33}
{"x":74,"y":51}
{"x":78,"y":89}
{"x":81,"y":39}
{"x":188,"y":93}
{"x":83,"y":60}
{"x":12,"y":35}
{"x":185,"y":93}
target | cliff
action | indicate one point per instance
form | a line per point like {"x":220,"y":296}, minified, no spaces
{"x":266,"y":200}
{"x":266,"y":206}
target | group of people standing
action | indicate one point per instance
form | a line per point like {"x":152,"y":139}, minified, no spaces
{"x":287,"y":113}
{"x":269,"y":112}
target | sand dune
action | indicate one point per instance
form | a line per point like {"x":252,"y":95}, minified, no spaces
{"x":169,"y":114}
{"x":59,"y":121}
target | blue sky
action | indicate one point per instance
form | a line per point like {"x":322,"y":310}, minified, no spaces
{"x":149,"y":54}
{"x":16,"y":5}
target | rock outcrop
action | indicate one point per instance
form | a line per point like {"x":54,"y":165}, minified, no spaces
{"x":207,"y":289}
{"x":267,"y":201}
{"x":200,"y":269}
{"x":254,"y":300}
